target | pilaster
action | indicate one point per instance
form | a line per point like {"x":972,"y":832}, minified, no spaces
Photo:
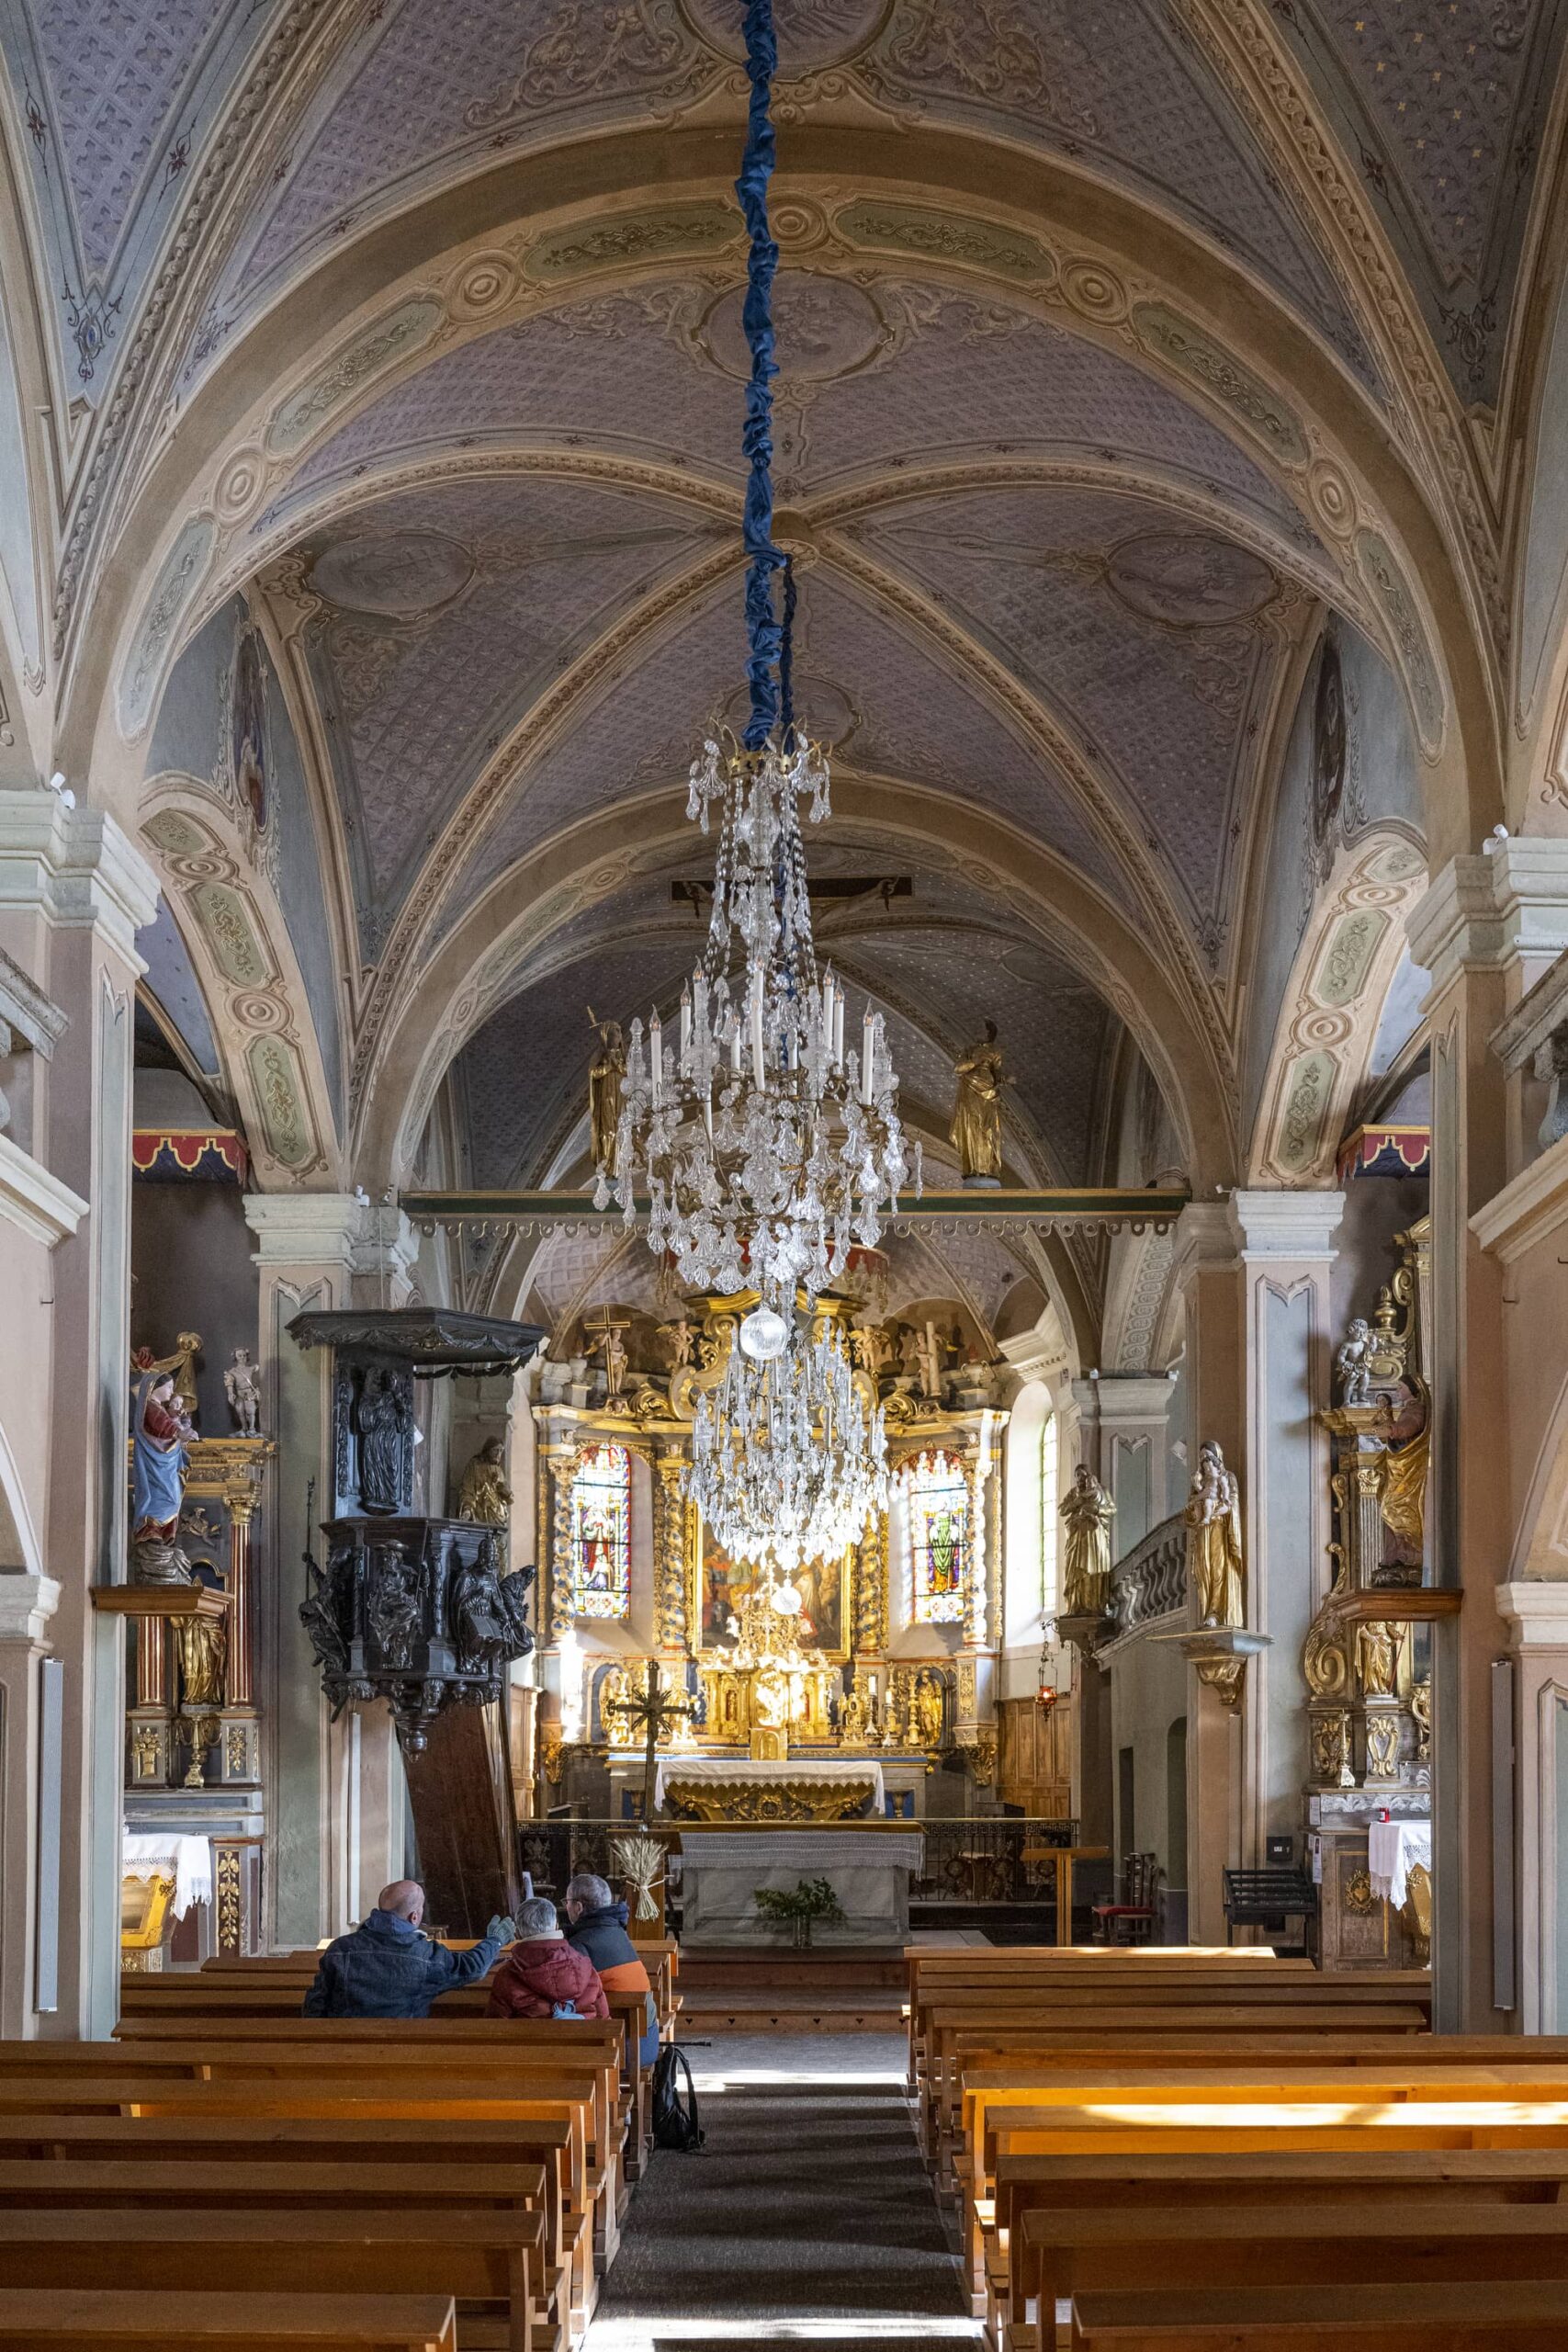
{"x":27,"y":1605}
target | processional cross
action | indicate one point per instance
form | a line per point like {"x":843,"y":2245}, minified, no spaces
{"x":657,"y":1714}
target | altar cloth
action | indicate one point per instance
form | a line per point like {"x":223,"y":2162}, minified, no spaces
{"x":187,"y":1860}
{"x":1394,"y":1850}
{"x":819,"y":1773}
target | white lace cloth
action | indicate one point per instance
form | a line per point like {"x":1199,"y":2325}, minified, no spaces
{"x":1394,"y":1850}
{"x":187,"y":1860}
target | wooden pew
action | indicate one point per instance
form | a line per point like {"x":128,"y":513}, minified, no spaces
{"x":1147,"y":2248}
{"x":65,"y":2318}
{"x":1495,"y":2317}
{"x":492,"y":2258}
{"x":42,"y":2136}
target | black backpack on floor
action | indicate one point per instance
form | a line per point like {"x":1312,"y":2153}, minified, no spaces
{"x":675,"y":2121}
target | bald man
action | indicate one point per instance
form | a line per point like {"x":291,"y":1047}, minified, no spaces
{"x":387,"y":1968}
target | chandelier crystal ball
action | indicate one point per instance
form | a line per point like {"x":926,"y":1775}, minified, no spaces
{"x":768,"y":1148}
{"x":789,"y":1458}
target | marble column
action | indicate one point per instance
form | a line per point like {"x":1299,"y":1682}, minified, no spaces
{"x":1283,"y":1241}
{"x":336,"y":1796}
{"x":1487,"y":928}
{"x":73,"y":893}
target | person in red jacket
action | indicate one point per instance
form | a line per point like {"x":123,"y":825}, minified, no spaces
{"x":543,"y":1975}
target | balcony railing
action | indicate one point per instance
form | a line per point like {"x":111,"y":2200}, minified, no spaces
{"x":1150,"y":1582}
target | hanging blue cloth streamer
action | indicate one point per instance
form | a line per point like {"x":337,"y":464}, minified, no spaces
{"x":763,"y":629}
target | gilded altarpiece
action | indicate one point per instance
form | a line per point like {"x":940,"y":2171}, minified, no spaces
{"x":854,"y":1673}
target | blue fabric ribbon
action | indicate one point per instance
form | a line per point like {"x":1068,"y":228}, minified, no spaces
{"x":762,"y":628}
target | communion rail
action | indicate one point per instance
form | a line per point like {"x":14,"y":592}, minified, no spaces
{"x":969,"y":1860}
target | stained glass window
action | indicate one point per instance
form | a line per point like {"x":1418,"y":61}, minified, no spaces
{"x":937,"y":1515}
{"x":602,"y":1532}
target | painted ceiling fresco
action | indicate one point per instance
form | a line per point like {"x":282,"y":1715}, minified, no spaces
{"x":1055,"y":587}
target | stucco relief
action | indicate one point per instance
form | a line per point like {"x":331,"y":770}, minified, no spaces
{"x":157,"y":631}
{"x":378,"y":346}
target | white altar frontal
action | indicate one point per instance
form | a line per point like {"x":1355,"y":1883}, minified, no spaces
{"x":814,"y":1789}
{"x":868,"y":1869}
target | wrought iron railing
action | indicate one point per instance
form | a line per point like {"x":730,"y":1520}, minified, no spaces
{"x":973,"y":1859}
{"x":1150,"y":1582}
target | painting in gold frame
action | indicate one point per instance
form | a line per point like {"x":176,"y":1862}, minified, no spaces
{"x":719,"y":1584}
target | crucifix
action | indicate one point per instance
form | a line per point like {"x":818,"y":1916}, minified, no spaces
{"x":657,"y":1714}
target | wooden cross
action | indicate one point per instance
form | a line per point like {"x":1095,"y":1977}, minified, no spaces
{"x":657,"y":1714}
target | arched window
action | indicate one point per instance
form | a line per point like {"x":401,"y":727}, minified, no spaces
{"x":936,"y":1517}
{"x":601,"y":1533}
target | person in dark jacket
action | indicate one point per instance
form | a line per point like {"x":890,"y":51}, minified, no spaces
{"x":597,"y":1925}
{"x":386,"y":1968}
{"x":543,"y":1975}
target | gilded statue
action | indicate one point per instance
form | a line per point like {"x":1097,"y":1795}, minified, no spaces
{"x":1212,"y":1517}
{"x":1086,"y":1513}
{"x":930,"y":1711}
{"x":854,"y":1715}
{"x":1377,"y":1653}
{"x":204,"y":1642}
{"x":607,"y":1081}
{"x":977,"y":1129}
{"x":484,"y":1495}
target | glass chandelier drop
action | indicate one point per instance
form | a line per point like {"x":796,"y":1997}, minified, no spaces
{"x":789,"y":1458}
{"x":769,"y":1147}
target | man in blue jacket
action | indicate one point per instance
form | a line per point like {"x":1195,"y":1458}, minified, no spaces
{"x":386,"y":1968}
{"x":597,"y":1925}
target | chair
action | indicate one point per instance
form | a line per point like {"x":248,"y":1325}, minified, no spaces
{"x":1132,"y":1920}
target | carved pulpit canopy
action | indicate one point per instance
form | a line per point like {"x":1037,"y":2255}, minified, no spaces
{"x":430,"y":1340}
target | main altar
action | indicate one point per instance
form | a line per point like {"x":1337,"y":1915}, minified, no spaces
{"x":827,"y":1696}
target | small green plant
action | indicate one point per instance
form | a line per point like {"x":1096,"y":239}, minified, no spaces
{"x":796,"y":1908}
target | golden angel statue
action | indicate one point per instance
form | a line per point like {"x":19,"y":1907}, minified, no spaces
{"x":606,"y":1078}
{"x":1086,"y":1513}
{"x":1212,"y":1514}
{"x":976,"y":1130}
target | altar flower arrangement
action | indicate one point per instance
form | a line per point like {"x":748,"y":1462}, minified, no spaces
{"x":811,"y":1899}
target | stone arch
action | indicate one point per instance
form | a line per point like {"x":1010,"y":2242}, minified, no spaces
{"x":474,"y":968}
{"x":1417,"y":569}
{"x":1328,"y":1024}
{"x":227,"y":910}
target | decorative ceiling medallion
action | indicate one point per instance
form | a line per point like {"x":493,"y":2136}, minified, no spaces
{"x":827,"y":328}
{"x":1189,"y":579}
{"x":813,"y":34}
{"x":834,"y":718}
{"x":396,"y":573}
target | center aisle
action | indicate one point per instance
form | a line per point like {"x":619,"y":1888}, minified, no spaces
{"x":808,"y":2216}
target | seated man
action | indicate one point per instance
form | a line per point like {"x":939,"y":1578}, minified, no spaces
{"x":543,"y":1976}
{"x":386,"y":1968}
{"x":596,"y":1924}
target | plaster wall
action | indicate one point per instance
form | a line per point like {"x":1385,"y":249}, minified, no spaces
{"x":1148,"y":1695}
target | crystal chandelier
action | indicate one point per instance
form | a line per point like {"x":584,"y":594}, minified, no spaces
{"x":768,"y":1149}
{"x":789,"y":1458}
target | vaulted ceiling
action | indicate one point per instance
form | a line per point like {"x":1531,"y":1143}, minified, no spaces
{"x":1118,"y":341}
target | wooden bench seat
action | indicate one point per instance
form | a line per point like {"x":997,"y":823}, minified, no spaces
{"x":490,"y":2258}
{"x":1135,"y":2248}
{"x":1529,"y":2314}
{"x":66,"y":2319}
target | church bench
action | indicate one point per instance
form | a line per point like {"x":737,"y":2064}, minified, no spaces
{"x":66,"y":2319}
{"x":490,"y":2258}
{"x":1027,"y":2185}
{"x":305,"y":2094}
{"x":1137,"y":2248}
{"x":369,"y":2147}
{"x":1528,"y":2314}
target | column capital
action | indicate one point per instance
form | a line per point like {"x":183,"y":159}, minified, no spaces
{"x":1493,"y":910}
{"x":27,"y":1601}
{"x":1536,"y":1614}
{"x":1284,"y":1224}
{"x":1127,"y":1396}
{"x":385,"y":1248}
{"x":305,"y":1228}
{"x":1033,"y":1356}
{"x":77,"y":867}
{"x":1205,"y":1239}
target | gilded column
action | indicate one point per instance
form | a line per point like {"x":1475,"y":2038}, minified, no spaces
{"x":671,"y":1628}
{"x":562,"y":1460}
